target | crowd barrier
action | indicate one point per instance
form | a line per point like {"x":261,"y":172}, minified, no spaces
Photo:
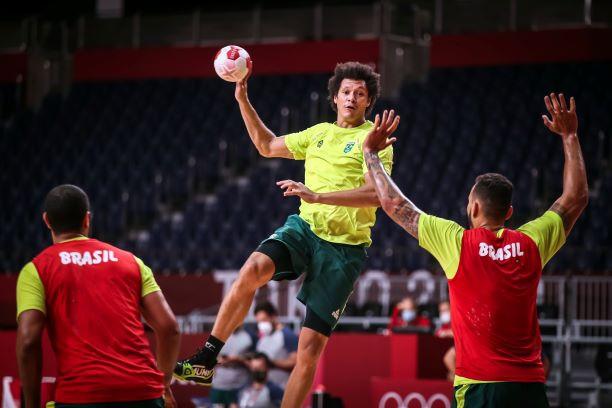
{"x":574,"y":311}
{"x":576,"y":315}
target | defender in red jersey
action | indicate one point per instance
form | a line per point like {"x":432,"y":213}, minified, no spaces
{"x":493,"y":272}
{"x":91,"y":297}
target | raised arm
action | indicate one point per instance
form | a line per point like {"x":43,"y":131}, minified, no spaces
{"x":394,"y":203}
{"x":575,"y":194}
{"x":266,"y":142}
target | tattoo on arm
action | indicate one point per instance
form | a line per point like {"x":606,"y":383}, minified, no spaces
{"x":563,"y":213}
{"x":407,"y":215}
{"x":395,"y":204}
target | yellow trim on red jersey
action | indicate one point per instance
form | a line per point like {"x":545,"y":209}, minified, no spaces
{"x":30,"y":290}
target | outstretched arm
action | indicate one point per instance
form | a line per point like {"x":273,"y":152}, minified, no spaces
{"x":266,"y":142}
{"x":364,"y":196}
{"x":394,"y":203}
{"x":575,"y":194}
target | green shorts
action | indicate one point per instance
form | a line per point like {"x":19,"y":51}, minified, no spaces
{"x":331,"y":269}
{"x":501,"y":395}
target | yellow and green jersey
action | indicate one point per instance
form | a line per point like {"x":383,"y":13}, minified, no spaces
{"x":334,"y":162}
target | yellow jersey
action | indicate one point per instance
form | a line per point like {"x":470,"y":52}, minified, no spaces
{"x":334,"y":162}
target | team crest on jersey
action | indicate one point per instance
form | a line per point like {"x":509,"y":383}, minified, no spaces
{"x":320,"y":143}
{"x":349,"y":147}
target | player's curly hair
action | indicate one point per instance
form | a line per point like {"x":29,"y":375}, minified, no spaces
{"x":360,"y":72}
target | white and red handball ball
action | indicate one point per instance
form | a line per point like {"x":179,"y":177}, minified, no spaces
{"x":232,"y":63}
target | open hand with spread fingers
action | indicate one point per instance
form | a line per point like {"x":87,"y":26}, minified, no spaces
{"x":295,"y":188}
{"x":378,"y":138}
{"x":564,"y":121}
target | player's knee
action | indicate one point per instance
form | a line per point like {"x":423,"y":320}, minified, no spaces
{"x":307,"y":361}
{"x":310,"y":351}
{"x":255,"y":273}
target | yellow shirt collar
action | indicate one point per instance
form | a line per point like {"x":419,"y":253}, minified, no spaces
{"x":79,"y":238}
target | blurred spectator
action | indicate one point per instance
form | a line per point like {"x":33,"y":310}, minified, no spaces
{"x":444,"y":320}
{"x":233,"y":373}
{"x":405,"y":316}
{"x":260,"y":393}
{"x":277,"y":342}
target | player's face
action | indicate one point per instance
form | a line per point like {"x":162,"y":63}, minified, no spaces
{"x":352,"y":99}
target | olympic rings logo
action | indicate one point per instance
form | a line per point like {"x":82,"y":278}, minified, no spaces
{"x":413,"y":396}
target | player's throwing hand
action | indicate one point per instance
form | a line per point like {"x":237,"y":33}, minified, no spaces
{"x":378,"y":138}
{"x":564,"y":121}
{"x":241,"y":86}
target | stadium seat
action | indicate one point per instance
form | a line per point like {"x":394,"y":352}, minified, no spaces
{"x":173,"y":175}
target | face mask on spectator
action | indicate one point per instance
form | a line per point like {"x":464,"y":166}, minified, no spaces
{"x":445,"y":317}
{"x":265,"y":328}
{"x":259,"y":376}
{"x":408,"y":315}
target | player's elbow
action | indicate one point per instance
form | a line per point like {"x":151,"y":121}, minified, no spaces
{"x":28,"y":343}
{"x":579,"y":203}
{"x":264,"y":151}
{"x":579,"y":200}
{"x":583,"y":199}
{"x":169,"y":328}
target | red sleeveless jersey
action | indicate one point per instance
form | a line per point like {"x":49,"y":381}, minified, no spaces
{"x":92,"y":295}
{"x":493,"y":303}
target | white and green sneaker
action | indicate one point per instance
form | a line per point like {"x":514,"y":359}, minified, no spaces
{"x":192,"y":369}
